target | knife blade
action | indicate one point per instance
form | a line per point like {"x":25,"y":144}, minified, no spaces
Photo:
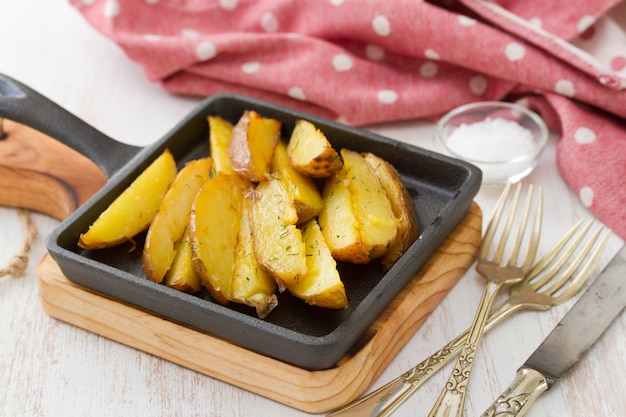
{"x":581,"y":327}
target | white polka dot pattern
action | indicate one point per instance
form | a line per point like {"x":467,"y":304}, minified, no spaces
{"x":251,"y":67}
{"x":387,"y":96}
{"x":514,"y":51}
{"x":586,"y":196}
{"x":585,"y":23}
{"x":478,"y":85}
{"x":584,"y":135}
{"x":269,"y":22}
{"x":381,"y":25}
{"x":111,"y":8}
{"x":374,"y":52}
{"x":565,"y":87}
{"x":466,"y":21}
{"x":297,"y":93}
{"x":428,"y":69}
{"x":229,"y":4}
{"x":342,"y":62}
{"x":205,"y":51}
{"x":431,"y":54}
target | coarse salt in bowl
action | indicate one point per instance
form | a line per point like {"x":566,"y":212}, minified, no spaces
{"x":503,"y":139}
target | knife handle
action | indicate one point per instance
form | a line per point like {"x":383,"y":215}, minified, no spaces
{"x":527,"y":386}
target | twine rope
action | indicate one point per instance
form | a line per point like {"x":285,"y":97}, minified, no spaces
{"x":18,"y":264}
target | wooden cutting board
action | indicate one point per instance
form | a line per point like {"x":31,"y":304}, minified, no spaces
{"x":38,"y":180}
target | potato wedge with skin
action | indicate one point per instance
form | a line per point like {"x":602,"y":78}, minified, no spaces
{"x":311,"y":153}
{"x":172,"y":218}
{"x":277,"y":241}
{"x":402,"y":206}
{"x":220,"y":131}
{"x":213,"y":228}
{"x":338,"y":222}
{"x":251,"y":284}
{"x":252,"y":145}
{"x":303,"y":189}
{"x":322,"y":286}
{"x":378,"y":225}
{"x":182,"y":275}
{"x":133,"y":210}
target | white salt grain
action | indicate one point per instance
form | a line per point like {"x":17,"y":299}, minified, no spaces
{"x":491,"y":140}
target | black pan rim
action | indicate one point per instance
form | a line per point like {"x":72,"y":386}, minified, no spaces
{"x":326,"y":349}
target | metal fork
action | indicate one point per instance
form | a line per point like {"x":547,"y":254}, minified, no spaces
{"x":452,"y":397}
{"x":539,"y":290}
{"x":488,"y":267}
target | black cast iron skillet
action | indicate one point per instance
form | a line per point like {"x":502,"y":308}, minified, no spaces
{"x":310,"y":337}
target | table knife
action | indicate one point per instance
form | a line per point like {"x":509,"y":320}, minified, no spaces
{"x":594,"y":311}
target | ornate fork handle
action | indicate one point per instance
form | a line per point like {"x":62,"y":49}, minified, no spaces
{"x":388,"y":397}
{"x":384,"y":400}
{"x":452,"y":397}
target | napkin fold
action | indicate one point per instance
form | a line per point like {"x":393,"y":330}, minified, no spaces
{"x":373,"y":61}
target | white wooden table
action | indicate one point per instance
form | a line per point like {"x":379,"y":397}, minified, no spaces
{"x":49,"y":368}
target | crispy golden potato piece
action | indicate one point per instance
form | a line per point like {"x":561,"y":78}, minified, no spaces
{"x":402,"y":206}
{"x":182,"y":275}
{"x":213,"y":228}
{"x":172,"y":218}
{"x":338,"y":221}
{"x":311,"y":153}
{"x":303,"y":189}
{"x":220,"y":131}
{"x":251,"y":284}
{"x":252,"y":146}
{"x":357,"y":220}
{"x":378,"y":225}
{"x":133,"y":210}
{"x":277,"y":241}
{"x":322,"y":286}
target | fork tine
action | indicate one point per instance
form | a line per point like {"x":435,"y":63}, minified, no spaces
{"x":585,"y":273}
{"x":497,"y":258}
{"x":485,"y":243}
{"x":520,"y":233}
{"x":553,"y":252}
{"x":568,"y":255}
{"x":533,"y":244}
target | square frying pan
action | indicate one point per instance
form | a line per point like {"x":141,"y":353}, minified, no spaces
{"x":442,"y":189}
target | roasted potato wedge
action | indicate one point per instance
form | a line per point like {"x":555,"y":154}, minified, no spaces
{"x":402,"y":206}
{"x":172,"y":218}
{"x":322,"y":286}
{"x":357,"y":220}
{"x":252,"y":145}
{"x":182,"y":274}
{"x":220,"y":132}
{"x":378,"y":224}
{"x":133,"y":210}
{"x":311,"y":153}
{"x":213,"y":228}
{"x":303,"y":189}
{"x":277,"y":241}
{"x":251,"y":284}
{"x":338,"y":221}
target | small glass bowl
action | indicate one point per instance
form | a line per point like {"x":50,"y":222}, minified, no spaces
{"x":503,"y":139}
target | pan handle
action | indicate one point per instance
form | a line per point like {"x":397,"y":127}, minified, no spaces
{"x":26,"y":106}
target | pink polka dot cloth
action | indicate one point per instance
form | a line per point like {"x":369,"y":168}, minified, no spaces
{"x":371,"y":61}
